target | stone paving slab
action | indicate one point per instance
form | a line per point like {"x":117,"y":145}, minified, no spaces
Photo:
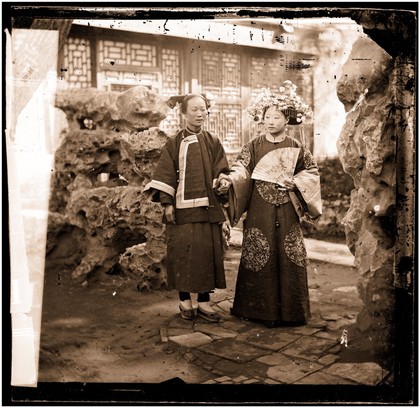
{"x":220,"y":296}
{"x":336,"y":349}
{"x":292,"y":371}
{"x":331,"y":317}
{"x":338,"y":325}
{"x":271,"y":381}
{"x":250,"y":381}
{"x":362,"y":373}
{"x":176,"y":331}
{"x":225,"y":305}
{"x":317,"y":324}
{"x":210,"y":382}
{"x":302,"y":330}
{"x":164,"y":336}
{"x":223,"y":379}
{"x":239,"y":379}
{"x":190,"y":340}
{"x":179,"y":322}
{"x":275,"y":359}
{"x":205,"y":357}
{"x":233,"y":350}
{"x":329,"y":252}
{"x":330,"y":306}
{"x":215,"y":331}
{"x":238,"y":351}
{"x":268,"y":339}
{"x":308,"y":347}
{"x":235,"y":325}
{"x":329,"y":335}
{"x":328,"y":359}
{"x":251,"y":369}
{"x":347,"y":289}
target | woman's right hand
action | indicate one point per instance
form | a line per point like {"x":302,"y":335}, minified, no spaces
{"x":170,"y":213}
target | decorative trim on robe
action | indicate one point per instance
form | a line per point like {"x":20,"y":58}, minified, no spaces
{"x":307,"y":182}
{"x":205,"y":161}
{"x":309,"y":186}
{"x":196,"y":183}
{"x":239,"y":193}
{"x":158,"y":185}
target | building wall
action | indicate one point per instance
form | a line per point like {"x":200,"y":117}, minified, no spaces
{"x":115,"y":60}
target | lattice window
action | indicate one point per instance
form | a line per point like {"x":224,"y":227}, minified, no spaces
{"x":221,"y":73}
{"x":126,"y":64}
{"x":170,"y":86}
{"x":213,"y":124}
{"x":170,"y":71}
{"x":117,"y":53}
{"x":76,"y":70}
{"x":225,"y":122}
{"x":270,"y":72}
{"x":231,"y":65}
{"x":266,"y":73}
{"x":120,"y":87}
{"x":149,"y":79}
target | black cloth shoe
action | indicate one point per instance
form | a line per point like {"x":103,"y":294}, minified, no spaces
{"x":209,"y":316}
{"x":187,"y":314}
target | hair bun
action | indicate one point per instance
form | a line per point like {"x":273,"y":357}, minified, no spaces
{"x":174,"y":100}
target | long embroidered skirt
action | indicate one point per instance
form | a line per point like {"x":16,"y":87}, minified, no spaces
{"x":195,"y":257}
{"x":272,"y":277}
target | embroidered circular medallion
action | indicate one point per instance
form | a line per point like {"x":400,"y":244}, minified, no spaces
{"x":294,"y":246}
{"x":271,"y":193}
{"x":255,"y":249}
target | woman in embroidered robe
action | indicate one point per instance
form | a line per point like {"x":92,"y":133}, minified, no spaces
{"x":185,"y":182}
{"x":275,"y":180}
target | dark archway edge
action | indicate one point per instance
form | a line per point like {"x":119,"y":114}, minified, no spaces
{"x":393,"y":26}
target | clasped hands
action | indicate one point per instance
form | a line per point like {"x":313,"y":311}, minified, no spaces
{"x":223,"y":183}
{"x":222,"y":186}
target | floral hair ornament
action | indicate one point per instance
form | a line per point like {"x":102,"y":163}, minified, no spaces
{"x":286,"y":100}
{"x":177,"y":100}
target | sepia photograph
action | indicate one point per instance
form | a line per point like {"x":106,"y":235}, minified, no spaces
{"x":209,"y":204}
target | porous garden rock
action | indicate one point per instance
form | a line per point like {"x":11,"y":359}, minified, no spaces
{"x":367,"y":149}
{"x":90,"y":103}
{"x":89,"y":108}
{"x":145,"y":265}
{"x":96,"y":188}
{"x":141,"y":107}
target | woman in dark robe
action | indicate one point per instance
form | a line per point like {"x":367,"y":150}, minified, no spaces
{"x":275,"y":181}
{"x":186,"y":184}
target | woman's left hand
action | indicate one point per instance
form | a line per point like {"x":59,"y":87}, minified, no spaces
{"x":223,"y":184}
{"x":289,"y":184}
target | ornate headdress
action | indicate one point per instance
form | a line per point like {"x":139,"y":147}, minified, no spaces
{"x":173,"y":101}
{"x":285,"y":99}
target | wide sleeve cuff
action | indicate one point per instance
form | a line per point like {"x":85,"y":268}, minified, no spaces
{"x":165,"y":198}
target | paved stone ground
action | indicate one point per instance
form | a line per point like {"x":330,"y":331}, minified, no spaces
{"x":109,"y":332}
{"x":236,"y":351}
